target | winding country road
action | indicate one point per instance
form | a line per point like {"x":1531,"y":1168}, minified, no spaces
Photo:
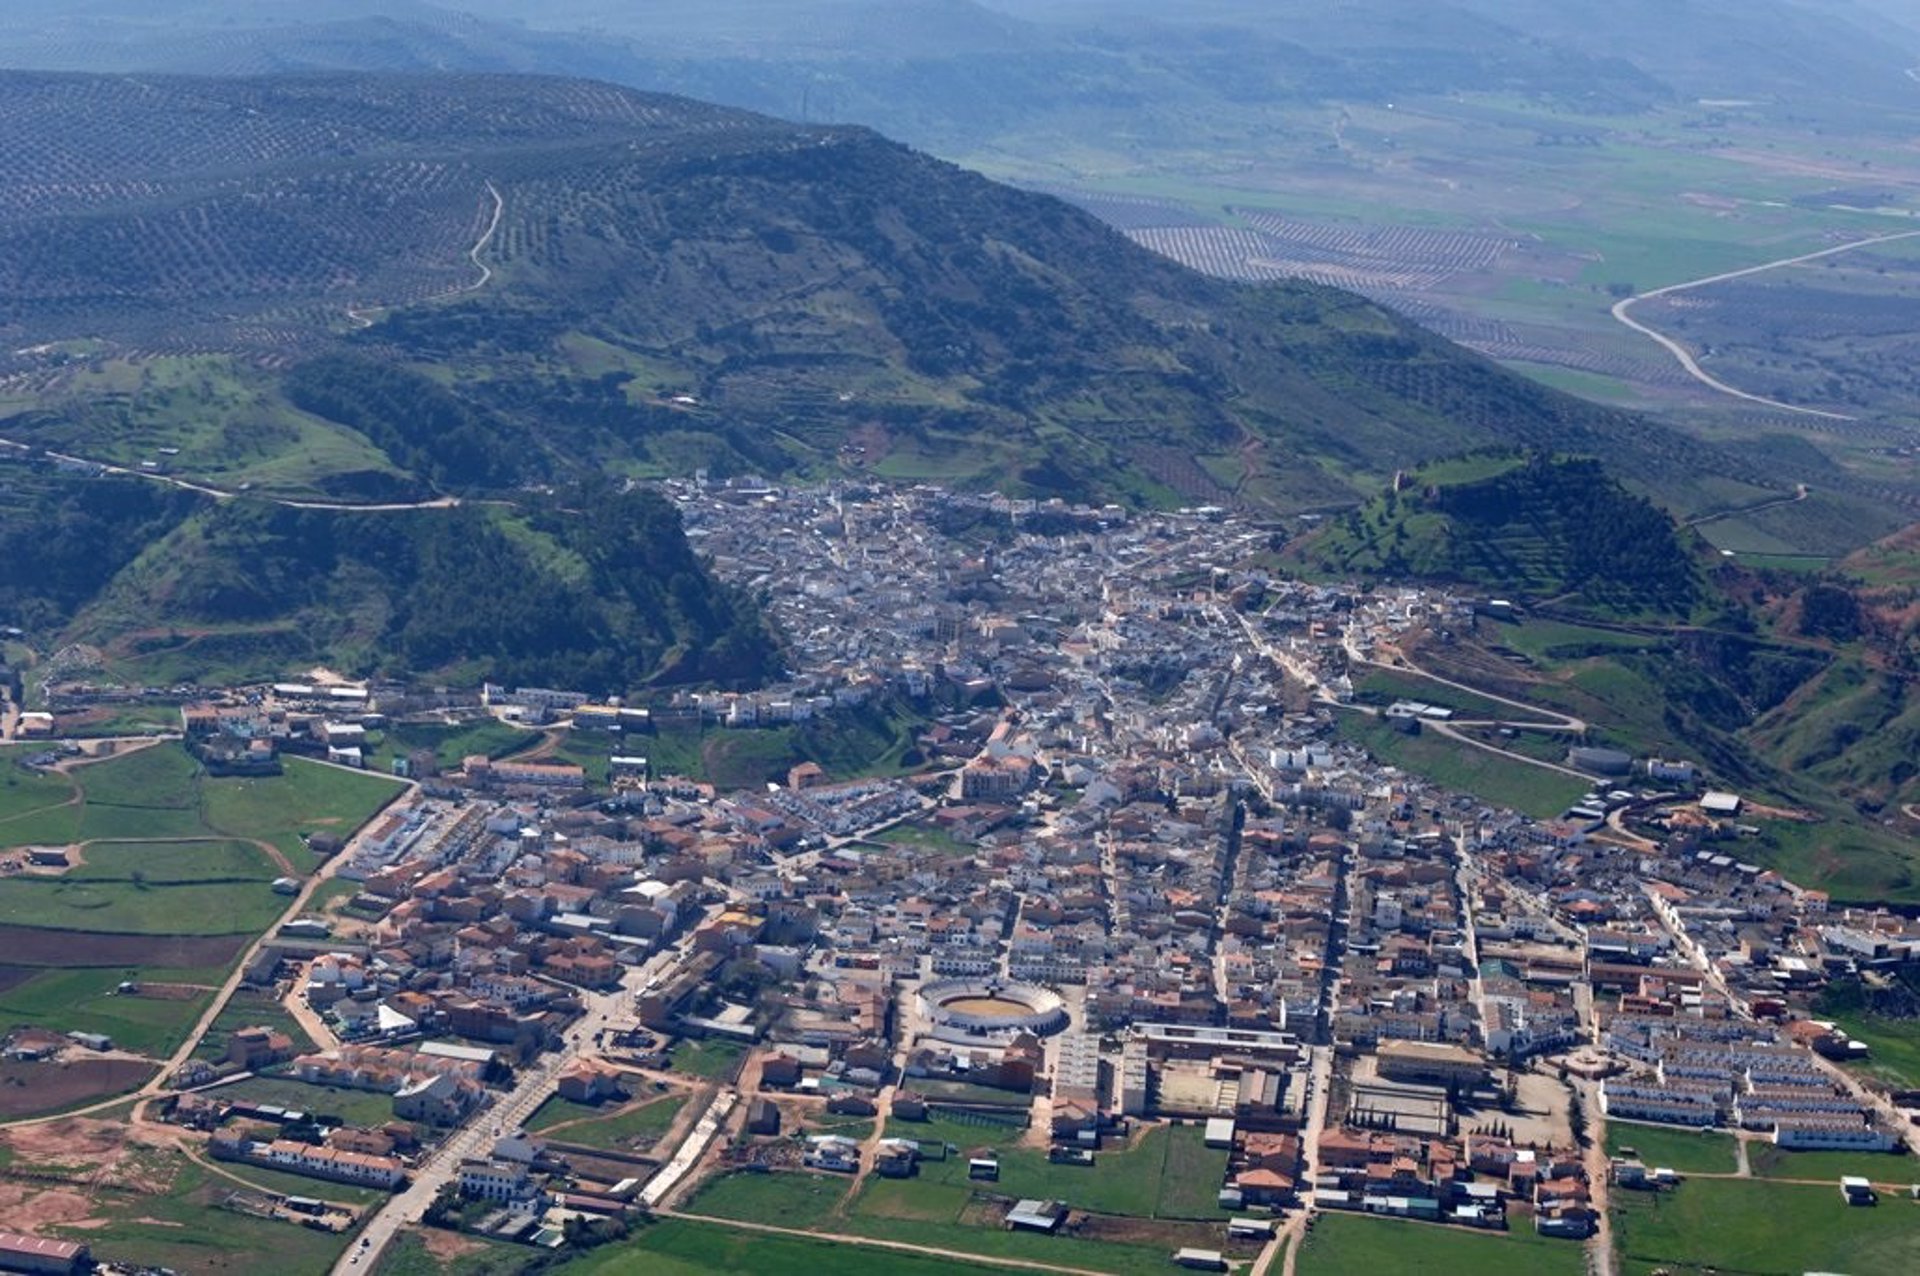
{"x":1800,"y":493}
{"x":359,"y":316}
{"x":360,"y":319}
{"x":230,"y":494}
{"x":1685,"y":357}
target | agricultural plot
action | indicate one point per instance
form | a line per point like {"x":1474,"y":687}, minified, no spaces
{"x":953,"y":1218}
{"x":1341,"y":1243}
{"x":1676,"y":1149}
{"x":249,"y":1009}
{"x":429,"y":1252}
{"x":25,"y":792}
{"x":1764,"y":1228}
{"x":449,"y":744}
{"x":705,"y":1059}
{"x":1835,"y":334}
{"x":356,"y":1107}
{"x":169,"y":881}
{"x":1897,"y":1170}
{"x":798,"y":1199}
{"x":306,"y":798}
{"x":1137,"y":1198}
{"x":1168,"y":1172}
{"x":679,"y":1247}
{"x":131,"y":906}
{"x":151,"y":1021}
{"x":1130,"y":213}
{"x":633,"y":1127}
{"x":37,"y":1089}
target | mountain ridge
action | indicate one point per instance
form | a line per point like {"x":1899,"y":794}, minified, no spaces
{"x":674,"y":285}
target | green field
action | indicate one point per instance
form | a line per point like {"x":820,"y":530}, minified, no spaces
{"x":174,"y":863}
{"x":951,"y":1219}
{"x":1704,"y":1153}
{"x":709,"y":1059}
{"x":1501,"y":781}
{"x":309,"y":797}
{"x":925,"y":837}
{"x":1339,"y":1244}
{"x":409,"y":1256}
{"x":1895,"y":1044}
{"x":678,"y":1247}
{"x":873,"y":740}
{"x":1770,"y":1162}
{"x":247,"y":1009}
{"x":449,"y":743}
{"x":170,"y":859}
{"x":161,"y":792}
{"x":136,"y":907}
{"x":355,"y":1107}
{"x":1384,"y":686}
{"x":1753,"y":1226}
{"x":24,"y":793}
{"x":1557,"y":640}
{"x":184,"y":1227}
{"x":632,"y":1127}
{"x":85,"y":1001}
{"x":1167,"y":1173}
{"x":795,"y":1199}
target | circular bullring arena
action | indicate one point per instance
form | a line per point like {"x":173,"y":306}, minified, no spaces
{"x":963,"y":1008}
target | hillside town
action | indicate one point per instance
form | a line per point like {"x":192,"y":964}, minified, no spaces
{"x":1123,"y":879}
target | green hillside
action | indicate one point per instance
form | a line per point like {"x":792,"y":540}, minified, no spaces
{"x":312,"y":273}
{"x":1855,"y":729}
{"x":592,"y":587}
{"x":1527,"y":528}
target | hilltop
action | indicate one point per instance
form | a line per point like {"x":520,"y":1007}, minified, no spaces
{"x":270,"y":275}
{"x":1530,"y":528}
{"x":591,"y":587}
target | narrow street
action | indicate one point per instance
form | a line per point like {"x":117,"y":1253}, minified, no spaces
{"x":1600,"y":1255}
{"x":505,"y":1116}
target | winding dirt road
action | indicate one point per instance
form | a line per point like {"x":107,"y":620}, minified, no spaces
{"x":1685,"y":356}
{"x":358,"y":315}
{"x":361,"y":316}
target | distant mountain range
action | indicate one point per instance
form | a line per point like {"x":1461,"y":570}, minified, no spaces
{"x":962,"y":75}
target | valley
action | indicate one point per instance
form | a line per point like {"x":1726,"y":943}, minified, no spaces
{"x":1067,"y":636}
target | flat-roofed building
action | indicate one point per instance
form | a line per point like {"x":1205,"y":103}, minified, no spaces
{"x":1432,"y":1063}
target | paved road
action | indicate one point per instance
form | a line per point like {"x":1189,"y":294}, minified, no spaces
{"x":1800,"y":493}
{"x":1685,"y":357}
{"x":1538,"y":718}
{"x":506,"y":1115}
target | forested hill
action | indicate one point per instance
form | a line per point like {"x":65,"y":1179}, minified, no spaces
{"x":306,"y":283}
{"x":1532,"y":528}
{"x":591,"y":587}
